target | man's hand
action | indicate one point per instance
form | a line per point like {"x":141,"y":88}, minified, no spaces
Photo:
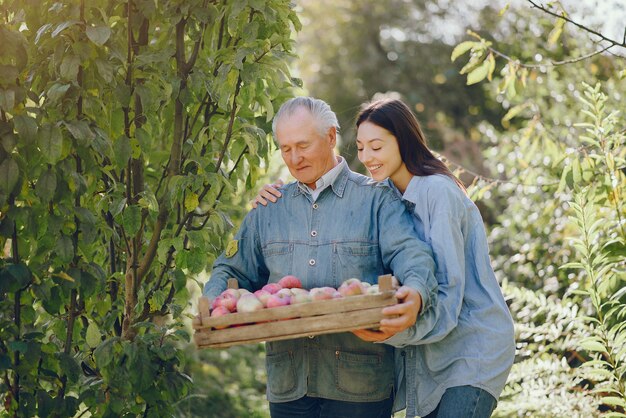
{"x":268,"y":192}
{"x":410,"y":303}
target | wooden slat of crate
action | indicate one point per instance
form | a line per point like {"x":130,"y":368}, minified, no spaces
{"x":347,"y":304}
{"x":292,"y":328}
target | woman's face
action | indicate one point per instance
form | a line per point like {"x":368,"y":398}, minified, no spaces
{"x":379,"y":152}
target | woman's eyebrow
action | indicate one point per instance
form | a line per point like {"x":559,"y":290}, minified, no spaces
{"x":370,"y":140}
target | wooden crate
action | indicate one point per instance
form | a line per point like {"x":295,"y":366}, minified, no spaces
{"x":292,"y":321}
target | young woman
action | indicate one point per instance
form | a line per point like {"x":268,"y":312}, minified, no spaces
{"x":454,"y":362}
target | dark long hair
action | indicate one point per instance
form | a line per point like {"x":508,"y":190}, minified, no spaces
{"x":396,"y":117}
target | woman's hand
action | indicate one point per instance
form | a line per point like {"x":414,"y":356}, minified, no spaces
{"x":268,"y":192}
{"x":403,"y":315}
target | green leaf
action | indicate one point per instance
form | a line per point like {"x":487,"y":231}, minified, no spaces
{"x":9,"y":175}
{"x":105,"y":352}
{"x":98,"y":34}
{"x":556,"y":32}
{"x":131,"y":219}
{"x":65,"y":249}
{"x":26,"y":128}
{"x":148,"y":201}
{"x":123,"y":151}
{"x":479,"y":73}
{"x":462,"y":48}
{"x":69,"y":67}
{"x":93,"y":337}
{"x":51,"y":143}
{"x":7,"y":100}
{"x":57,"y":91}
{"x":191,"y":201}
{"x":593,"y":345}
{"x":80,"y":131}
{"x":14,"y":277}
{"x":62,"y":26}
{"x":8,"y":74}
{"x":45,"y":404}
{"x":69,"y":366}
{"x":105,"y":69}
{"x":46,"y":185}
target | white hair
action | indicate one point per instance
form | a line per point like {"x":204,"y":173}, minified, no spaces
{"x":319,"y":109}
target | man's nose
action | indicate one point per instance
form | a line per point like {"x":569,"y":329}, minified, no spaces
{"x":295,"y":157}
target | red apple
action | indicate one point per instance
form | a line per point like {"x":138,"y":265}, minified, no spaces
{"x":278,"y":299}
{"x":351,"y":287}
{"x":249,"y":303}
{"x":217,"y":312}
{"x":290,"y":282}
{"x":225,"y":300}
{"x":272,"y":287}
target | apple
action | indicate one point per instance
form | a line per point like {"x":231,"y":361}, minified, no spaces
{"x":351,"y":287}
{"x":217,"y":312}
{"x":225,"y":300}
{"x":234,"y":292}
{"x":249,"y":303}
{"x":263,"y":296}
{"x":278,"y":299}
{"x":372,"y":290}
{"x":272,"y":287}
{"x":324,"y":293}
{"x":290,"y":282}
{"x":285,"y":292}
{"x":300,"y":297}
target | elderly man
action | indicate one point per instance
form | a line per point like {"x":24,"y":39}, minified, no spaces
{"x":331,"y":224}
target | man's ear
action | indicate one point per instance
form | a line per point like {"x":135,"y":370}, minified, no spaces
{"x":332,"y":136}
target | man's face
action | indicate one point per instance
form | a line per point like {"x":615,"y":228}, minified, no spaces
{"x":308,"y":155}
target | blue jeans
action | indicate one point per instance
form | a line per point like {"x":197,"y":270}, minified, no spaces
{"x":309,"y":407}
{"x":464,"y":402}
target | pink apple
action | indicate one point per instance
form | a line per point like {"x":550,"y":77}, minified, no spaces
{"x":285,"y":292}
{"x":290,"y":282}
{"x":249,"y":303}
{"x":217,"y":312}
{"x":324,"y":293}
{"x":351,"y":287}
{"x":263,"y":296}
{"x":226,"y":300}
{"x":272,"y":287}
{"x":278,"y":299}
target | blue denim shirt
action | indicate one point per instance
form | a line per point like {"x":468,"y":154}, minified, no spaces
{"x":468,"y":339}
{"x":356,"y":228}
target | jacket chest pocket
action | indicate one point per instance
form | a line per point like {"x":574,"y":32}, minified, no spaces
{"x":354,"y":259}
{"x":278,"y":258}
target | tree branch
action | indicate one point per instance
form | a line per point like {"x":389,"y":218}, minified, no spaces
{"x":550,"y":63}
{"x":579,"y":25}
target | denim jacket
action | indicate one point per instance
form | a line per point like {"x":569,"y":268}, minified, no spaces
{"x":468,"y":339}
{"x":356,"y":228}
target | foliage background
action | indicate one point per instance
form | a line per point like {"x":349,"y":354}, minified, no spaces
{"x":527,"y":108}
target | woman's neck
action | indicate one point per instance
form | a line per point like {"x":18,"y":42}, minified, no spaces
{"x":402,"y":178}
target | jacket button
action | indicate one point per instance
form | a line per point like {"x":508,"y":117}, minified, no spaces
{"x":315,"y":206}
{"x":313,"y":233}
{"x":311,"y":262}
